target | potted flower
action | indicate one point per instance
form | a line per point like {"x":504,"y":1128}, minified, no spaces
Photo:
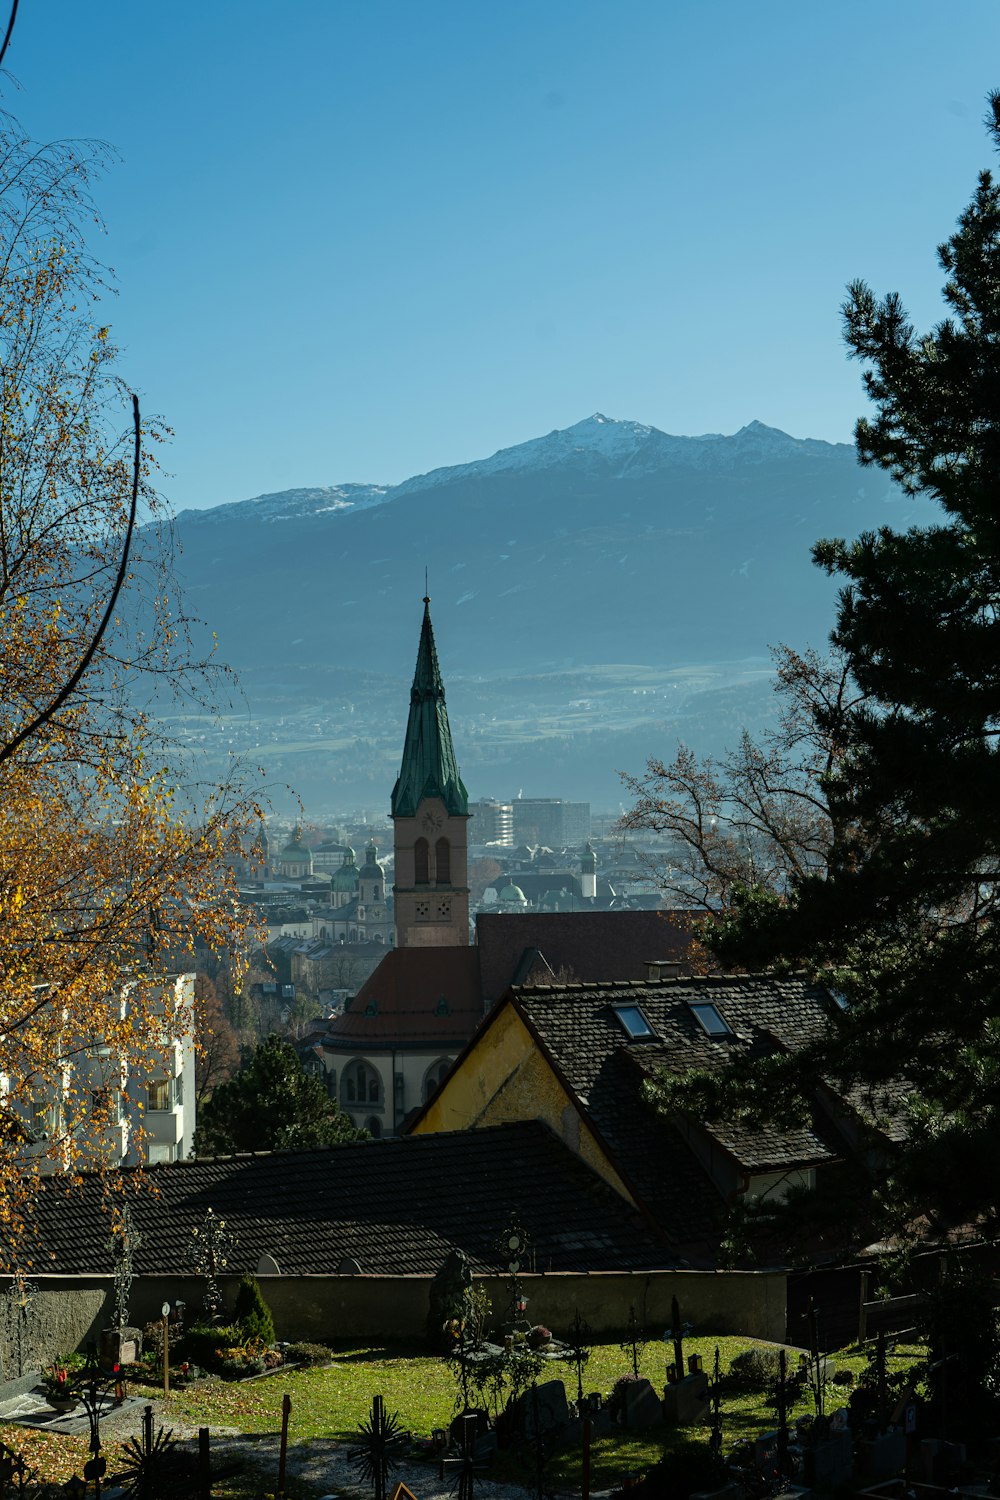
{"x":56,"y":1384}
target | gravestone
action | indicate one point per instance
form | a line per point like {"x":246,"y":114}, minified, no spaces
{"x":830,"y":1461}
{"x":642,"y":1406}
{"x":685,"y":1402}
{"x":552,"y":1407}
{"x":600,"y":1416}
{"x":941,"y":1462}
{"x":765,"y":1449}
{"x":120,"y":1346}
{"x":456,"y":1429}
{"x":882,"y":1456}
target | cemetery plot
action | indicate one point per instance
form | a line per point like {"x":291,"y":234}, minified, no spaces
{"x":330,"y":1404}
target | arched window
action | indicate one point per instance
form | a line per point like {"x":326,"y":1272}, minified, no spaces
{"x":374,"y":1128}
{"x":421,"y":863}
{"x":442,"y":861}
{"x":360,"y":1085}
{"x":434,"y":1075}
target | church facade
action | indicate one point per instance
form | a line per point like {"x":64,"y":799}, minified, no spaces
{"x":386,"y":1053}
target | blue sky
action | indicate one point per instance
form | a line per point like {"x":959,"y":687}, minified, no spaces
{"x":358,"y":239}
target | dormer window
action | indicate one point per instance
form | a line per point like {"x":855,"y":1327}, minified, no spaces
{"x":637,"y":1028}
{"x":711,"y":1021}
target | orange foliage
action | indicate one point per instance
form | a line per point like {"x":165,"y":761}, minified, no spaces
{"x":114,"y":867}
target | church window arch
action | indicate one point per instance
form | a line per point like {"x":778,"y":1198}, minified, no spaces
{"x":435,"y":1073}
{"x":442,"y":862}
{"x":421,"y":863}
{"x":360,"y":1084}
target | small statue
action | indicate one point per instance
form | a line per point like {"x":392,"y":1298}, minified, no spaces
{"x":447,"y":1298}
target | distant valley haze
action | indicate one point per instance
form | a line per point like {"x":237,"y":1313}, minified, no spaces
{"x":598,"y":594}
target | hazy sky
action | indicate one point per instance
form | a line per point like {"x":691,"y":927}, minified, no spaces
{"x":358,"y":239}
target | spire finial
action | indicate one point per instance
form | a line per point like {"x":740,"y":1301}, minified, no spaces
{"x":427,"y":592}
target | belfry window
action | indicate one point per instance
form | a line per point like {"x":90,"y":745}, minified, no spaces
{"x":421,"y":863}
{"x":442,"y":862}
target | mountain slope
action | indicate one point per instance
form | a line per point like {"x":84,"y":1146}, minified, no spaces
{"x":606,"y":542}
{"x":597,"y":593}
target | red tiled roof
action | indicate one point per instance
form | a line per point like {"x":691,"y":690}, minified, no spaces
{"x":589,"y":945}
{"x":416,"y":997}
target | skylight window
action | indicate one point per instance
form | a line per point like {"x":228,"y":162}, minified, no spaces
{"x":711,"y":1021}
{"x":634,"y":1022}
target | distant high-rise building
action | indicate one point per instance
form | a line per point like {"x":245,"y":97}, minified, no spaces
{"x":551,"y":821}
{"x":588,"y":874}
{"x":491,"y":822}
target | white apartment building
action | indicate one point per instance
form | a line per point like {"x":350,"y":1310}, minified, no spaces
{"x":145,"y":1114}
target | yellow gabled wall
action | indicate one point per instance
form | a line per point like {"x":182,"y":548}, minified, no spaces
{"x":505,"y":1077}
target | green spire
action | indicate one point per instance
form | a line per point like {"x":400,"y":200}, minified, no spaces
{"x":429,"y":767}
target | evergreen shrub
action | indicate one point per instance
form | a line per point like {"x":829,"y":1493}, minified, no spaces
{"x":252,"y":1314}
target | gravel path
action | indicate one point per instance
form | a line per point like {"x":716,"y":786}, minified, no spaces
{"x":317,"y":1461}
{"x":321,"y":1462}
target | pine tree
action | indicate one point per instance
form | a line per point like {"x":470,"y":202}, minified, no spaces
{"x":272,"y":1104}
{"x":904,"y":919}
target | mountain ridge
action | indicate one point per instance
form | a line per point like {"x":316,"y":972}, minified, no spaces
{"x":635,"y":445}
{"x":591,"y":589}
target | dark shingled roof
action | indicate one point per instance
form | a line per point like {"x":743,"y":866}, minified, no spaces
{"x":394,"y":1206}
{"x":580,"y":1029}
{"x":590,"y":945}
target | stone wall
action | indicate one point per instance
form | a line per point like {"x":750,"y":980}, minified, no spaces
{"x":69,"y":1310}
{"x":57,"y":1319}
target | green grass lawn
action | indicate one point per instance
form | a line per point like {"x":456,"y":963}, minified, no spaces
{"x":332,"y":1402}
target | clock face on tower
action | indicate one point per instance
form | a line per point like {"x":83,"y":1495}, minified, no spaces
{"x":431,"y":822}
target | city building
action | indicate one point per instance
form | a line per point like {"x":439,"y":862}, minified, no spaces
{"x":491,"y":822}
{"x":550,"y":821}
{"x":145,"y":1113}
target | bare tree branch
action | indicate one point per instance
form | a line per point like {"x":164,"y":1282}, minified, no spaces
{"x":71,"y":682}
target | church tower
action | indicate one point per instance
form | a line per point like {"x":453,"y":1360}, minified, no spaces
{"x":430,"y":813}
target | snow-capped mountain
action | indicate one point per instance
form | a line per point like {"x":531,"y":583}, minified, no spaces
{"x":620,"y":448}
{"x":580,"y":583}
{"x":292,"y":505}
{"x":606,"y":541}
{"x":604,"y":445}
